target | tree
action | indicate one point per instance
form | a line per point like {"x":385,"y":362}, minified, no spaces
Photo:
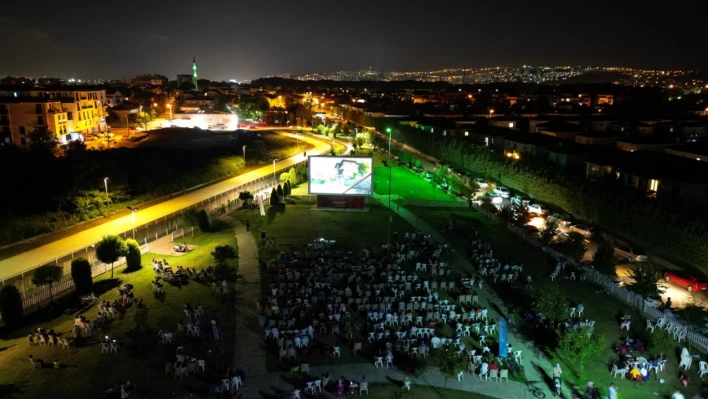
{"x":604,"y":259}
{"x":521,"y":214}
{"x":43,"y":140}
{"x":81,"y":274}
{"x":204,"y":224}
{"x":646,"y":279}
{"x":552,"y":303}
{"x":133,"y":255}
{"x":110,"y":249}
{"x":274,"y":200}
{"x":694,"y":314}
{"x":222,"y":253}
{"x":286,"y":189}
{"x":302,"y":171}
{"x":293,"y":176}
{"x":507,"y":214}
{"x":581,"y":345}
{"x":549,"y":232}
{"x":222,"y":270}
{"x":47,"y":275}
{"x":191,"y":217}
{"x":574,"y":247}
{"x":11,"y":308}
{"x":449,"y":362}
{"x":279,"y":191}
{"x":285,"y":176}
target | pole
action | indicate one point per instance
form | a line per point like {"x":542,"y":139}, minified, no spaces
{"x":105,"y":183}
{"x":274,"y":179}
{"x":133,"y":214}
{"x":389,"y":209}
{"x":244,"y":154}
{"x":389,"y":143}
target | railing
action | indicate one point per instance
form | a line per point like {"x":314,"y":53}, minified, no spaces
{"x":145,"y":234}
{"x":621,"y":293}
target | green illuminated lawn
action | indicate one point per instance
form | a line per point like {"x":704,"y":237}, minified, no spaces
{"x":406,"y":183}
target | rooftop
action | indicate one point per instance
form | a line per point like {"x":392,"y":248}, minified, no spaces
{"x":26,"y":100}
{"x":560,"y":127}
{"x":648,"y":140}
{"x":698,"y":149}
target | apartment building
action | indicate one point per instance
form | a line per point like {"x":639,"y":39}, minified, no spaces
{"x":21,"y":116}
{"x":85,"y":107}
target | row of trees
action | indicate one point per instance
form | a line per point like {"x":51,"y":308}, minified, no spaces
{"x":108,"y":250}
{"x":658,"y":223}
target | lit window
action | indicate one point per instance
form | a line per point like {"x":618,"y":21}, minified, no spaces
{"x":467,"y":133}
{"x":511,"y":125}
{"x":653,"y":185}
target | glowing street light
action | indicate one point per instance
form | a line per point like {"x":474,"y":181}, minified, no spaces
{"x":244,"y":154}
{"x":275,"y":180}
{"x":105,"y":183}
{"x":491,"y":111}
{"x":388,"y":130}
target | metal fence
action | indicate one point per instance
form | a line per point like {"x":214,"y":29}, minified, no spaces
{"x":144,"y":234}
{"x":621,"y":293}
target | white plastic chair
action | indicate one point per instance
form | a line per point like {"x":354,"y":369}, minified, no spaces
{"x":364,"y":386}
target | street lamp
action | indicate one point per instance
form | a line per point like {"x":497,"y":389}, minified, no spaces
{"x":133,"y":210}
{"x":491,"y":111}
{"x":244,"y":154}
{"x":388,"y":130}
{"x":275,"y":180}
{"x":169,"y":106}
{"x":390,"y":168}
{"x":105,"y":183}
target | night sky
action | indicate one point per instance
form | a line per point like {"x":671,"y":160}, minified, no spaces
{"x":239,"y":39}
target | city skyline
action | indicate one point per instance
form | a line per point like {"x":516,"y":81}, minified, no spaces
{"x":235,"y":42}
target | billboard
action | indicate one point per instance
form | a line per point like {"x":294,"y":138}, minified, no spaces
{"x":341,"y":175}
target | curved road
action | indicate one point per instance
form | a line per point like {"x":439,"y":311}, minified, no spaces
{"x":27,"y":260}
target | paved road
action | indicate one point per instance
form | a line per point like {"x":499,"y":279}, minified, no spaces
{"x":46,"y":253}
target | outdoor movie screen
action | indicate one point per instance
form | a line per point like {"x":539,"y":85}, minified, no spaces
{"x":341,"y":175}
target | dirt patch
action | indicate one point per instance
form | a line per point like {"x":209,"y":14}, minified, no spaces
{"x":165,"y":246}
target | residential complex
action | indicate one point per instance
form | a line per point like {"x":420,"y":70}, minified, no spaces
{"x":19,"y":117}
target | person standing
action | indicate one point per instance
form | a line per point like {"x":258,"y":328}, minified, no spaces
{"x":612,"y":392}
{"x":248,"y":225}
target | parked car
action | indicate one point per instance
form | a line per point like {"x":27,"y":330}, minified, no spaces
{"x":481,"y":182}
{"x":495,"y":199}
{"x":631,"y":254}
{"x":502,"y":191}
{"x":582,"y":229}
{"x":428,"y":175}
{"x":562,"y":220}
{"x":685,"y":280}
{"x":520,"y":199}
{"x":538,"y":209}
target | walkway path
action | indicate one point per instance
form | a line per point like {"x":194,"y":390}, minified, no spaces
{"x":249,"y":354}
{"x":268,"y":384}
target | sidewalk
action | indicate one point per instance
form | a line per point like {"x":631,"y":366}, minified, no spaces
{"x":249,"y":354}
{"x":272,"y":383}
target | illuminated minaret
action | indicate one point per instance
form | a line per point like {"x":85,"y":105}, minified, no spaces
{"x":194,"y":72}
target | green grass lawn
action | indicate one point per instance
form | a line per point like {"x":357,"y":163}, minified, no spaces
{"x":406,"y":182}
{"x":88,"y":373}
{"x":601,"y":307}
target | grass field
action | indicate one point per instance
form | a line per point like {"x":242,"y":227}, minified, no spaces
{"x":385,"y":391}
{"x":406,"y":183}
{"x":601,"y":307}
{"x":87,"y":373}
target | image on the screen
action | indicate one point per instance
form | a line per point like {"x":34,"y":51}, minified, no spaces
{"x":341,"y":175}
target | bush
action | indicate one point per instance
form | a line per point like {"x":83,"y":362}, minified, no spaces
{"x":280,"y":191}
{"x":203,"y":223}
{"x":274,"y":199}
{"x":133,"y":257}
{"x":11,"y":305}
{"x":81,"y":274}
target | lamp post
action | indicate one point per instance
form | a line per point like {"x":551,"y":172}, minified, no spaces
{"x":105,"y":184}
{"x":133,"y":210}
{"x":275,"y":180}
{"x":169,"y":106}
{"x":388,"y":130}
{"x":491,"y":111}
{"x":244,"y":154}
{"x":388,"y":240}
